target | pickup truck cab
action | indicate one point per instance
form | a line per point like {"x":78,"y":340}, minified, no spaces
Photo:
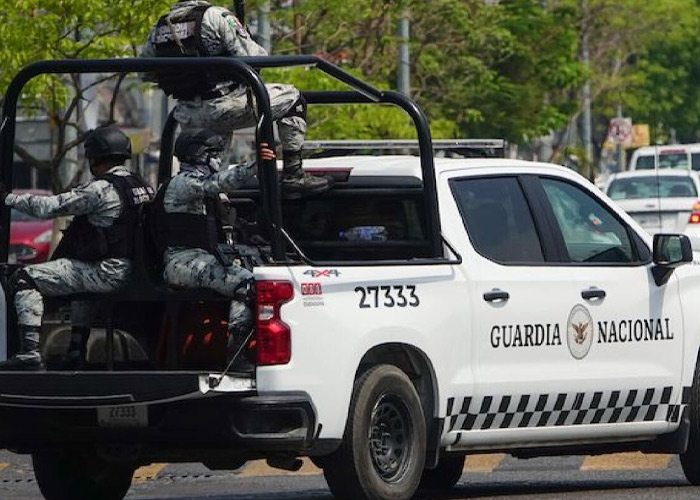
{"x":424,"y":309}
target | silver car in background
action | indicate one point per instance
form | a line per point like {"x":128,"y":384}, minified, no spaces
{"x":661,"y":201}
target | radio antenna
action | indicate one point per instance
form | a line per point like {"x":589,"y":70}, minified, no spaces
{"x":239,"y":10}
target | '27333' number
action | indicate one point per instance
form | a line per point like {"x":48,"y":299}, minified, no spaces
{"x":387,"y":296}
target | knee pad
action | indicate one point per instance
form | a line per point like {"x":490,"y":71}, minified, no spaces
{"x":298,"y":109}
{"x":21,"y":280}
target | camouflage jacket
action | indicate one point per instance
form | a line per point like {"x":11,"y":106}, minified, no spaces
{"x":222,"y":33}
{"x":98,"y":199}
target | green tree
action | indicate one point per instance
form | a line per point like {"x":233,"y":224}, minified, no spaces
{"x":34,"y":30}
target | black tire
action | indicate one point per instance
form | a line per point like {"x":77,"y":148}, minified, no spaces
{"x":63,"y":476}
{"x":690,"y":460}
{"x":383,"y":450}
{"x":445,"y":475}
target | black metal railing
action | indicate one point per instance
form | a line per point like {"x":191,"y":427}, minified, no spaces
{"x":242,"y":68}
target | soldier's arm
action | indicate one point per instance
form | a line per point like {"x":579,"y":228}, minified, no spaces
{"x":234,"y":36}
{"x":78,"y":201}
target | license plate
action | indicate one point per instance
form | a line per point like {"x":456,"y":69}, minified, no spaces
{"x":123,"y":416}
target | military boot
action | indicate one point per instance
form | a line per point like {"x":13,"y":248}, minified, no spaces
{"x":296,"y":183}
{"x":77,"y":349}
{"x":29,"y":357}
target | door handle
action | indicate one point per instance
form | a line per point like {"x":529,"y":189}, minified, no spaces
{"x":593,"y":294}
{"x":496,"y":295}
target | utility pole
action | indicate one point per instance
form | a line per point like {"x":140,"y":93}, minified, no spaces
{"x":586,"y":92}
{"x":404,"y":73}
{"x":298,"y":35}
{"x":620,"y":163}
{"x":264,"y":37}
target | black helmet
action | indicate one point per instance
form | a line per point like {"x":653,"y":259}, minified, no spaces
{"x":197,"y":144}
{"x":108,"y":142}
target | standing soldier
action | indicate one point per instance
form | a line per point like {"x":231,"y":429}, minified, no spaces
{"x":95,"y":252}
{"x":190,"y":229}
{"x":217,"y":102}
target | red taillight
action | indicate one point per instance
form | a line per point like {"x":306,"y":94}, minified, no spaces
{"x":695,"y":214}
{"x":273,"y":337}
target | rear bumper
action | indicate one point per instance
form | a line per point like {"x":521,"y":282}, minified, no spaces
{"x":186,"y":415}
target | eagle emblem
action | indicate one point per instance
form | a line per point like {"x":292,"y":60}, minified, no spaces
{"x":580,"y":330}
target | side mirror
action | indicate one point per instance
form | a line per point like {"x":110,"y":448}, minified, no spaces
{"x":670,"y":252}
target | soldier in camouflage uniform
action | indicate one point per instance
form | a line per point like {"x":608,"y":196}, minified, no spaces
{"x":95,"y":247}
{"x":188,"y":226}
{"x":196,"y":28}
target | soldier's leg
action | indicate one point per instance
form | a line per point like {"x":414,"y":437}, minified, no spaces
{"x":196,"y":268}
{"x":222,"y":115}
{"x":56,"y":278}
{"x":289,"y":110}
{"x":29,"y":305}
{"x":82,"y":317}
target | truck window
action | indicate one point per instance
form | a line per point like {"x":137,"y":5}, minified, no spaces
{"x":359,"y":227}
{"x":498,"y":219}
{"x":695,"y":161}
{"x":666,"y":160}
{"x":591,"y":233}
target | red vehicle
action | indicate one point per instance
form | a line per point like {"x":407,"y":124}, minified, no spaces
{"x":30,"y":238}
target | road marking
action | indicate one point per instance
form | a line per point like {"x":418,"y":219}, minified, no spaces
{"x":625,"y":461}
{"x":483,"y":463}
{"x":260,"y":468}
{"x":4,"y":466}
{"x":148,"y":472}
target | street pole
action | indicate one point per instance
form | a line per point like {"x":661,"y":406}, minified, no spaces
{"x":620,"y":164}
{"x":264,"y":26}
{"x":404,"y":83}
{"x":298,"y":35}
{"x":586,"y":93}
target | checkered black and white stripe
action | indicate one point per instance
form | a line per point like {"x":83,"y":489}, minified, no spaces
{"x":579,"y":408}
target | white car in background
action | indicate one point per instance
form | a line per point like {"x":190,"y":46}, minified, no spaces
{"x":661,"y":201}
{"x":677,"y":156}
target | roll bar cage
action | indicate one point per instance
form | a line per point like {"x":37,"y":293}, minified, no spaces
{"x":243,"y":68}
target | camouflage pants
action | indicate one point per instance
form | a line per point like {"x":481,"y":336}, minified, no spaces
{"x":225,"y":114}
{"x":65,"y":277}
{"x":196,"y":268}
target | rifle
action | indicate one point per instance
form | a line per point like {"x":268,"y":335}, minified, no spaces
{"x":239,"y":10}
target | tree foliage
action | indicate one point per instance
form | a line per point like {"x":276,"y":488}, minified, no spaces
{"x":508,"y":68}
{"x":34,"y":30}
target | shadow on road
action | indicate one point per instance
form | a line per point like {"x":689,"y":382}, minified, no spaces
{"x":596,"y":488}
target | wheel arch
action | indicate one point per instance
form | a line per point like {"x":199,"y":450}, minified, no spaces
{"x":416,"y":364}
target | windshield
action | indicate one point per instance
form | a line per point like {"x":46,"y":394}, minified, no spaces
{"x":666,"y":160}
{"x":669,"y":186}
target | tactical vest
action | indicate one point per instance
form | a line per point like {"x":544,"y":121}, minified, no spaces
{"x":184,"y":40}
{"x":87,"y":242}
{"x":205,"y":231}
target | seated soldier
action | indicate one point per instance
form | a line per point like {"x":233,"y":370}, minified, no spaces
{"x":190,"y":230}
{"x":95,"y":252}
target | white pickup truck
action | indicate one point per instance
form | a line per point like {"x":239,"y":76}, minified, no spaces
{"x":425,"y":309}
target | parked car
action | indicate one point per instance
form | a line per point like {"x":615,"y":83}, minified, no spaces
{"x":30,"y":238}
{"x":663,"y":201}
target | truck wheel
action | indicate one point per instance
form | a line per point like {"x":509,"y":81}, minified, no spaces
{"x":445,"y":475}
{"x":63,"y":476}
{"x":690,"y":460}
{"x":383,"y":449}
